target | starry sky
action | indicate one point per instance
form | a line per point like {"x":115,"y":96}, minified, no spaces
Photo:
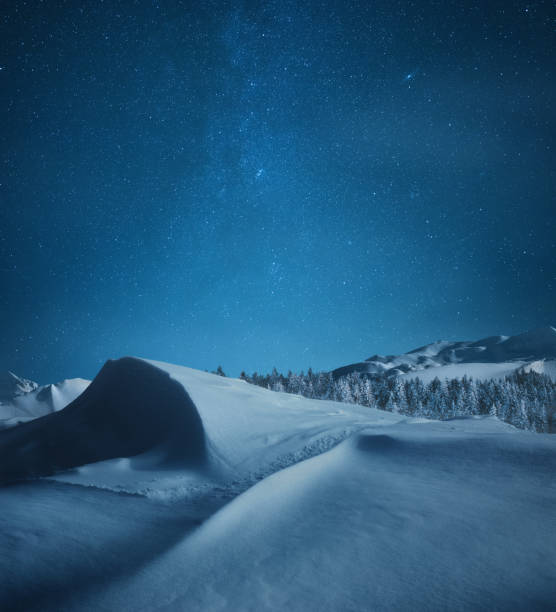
{"x":281,"y":183}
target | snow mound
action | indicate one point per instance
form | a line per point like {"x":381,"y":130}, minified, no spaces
{"x":162,"y":431}
{"x":131,"y":407}
{"x":248,"y":427}
{"x":250,"y":433}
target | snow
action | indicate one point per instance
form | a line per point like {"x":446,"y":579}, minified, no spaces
{"x":477,"y":371}
{"x":542,"y":367}
{"x":492,"y":357}
{"x":130,"y":408}
{"x":35,"y":401}
{"x":299,"y":504}
{"x":405,"y":519}
{"x":250,"y":432}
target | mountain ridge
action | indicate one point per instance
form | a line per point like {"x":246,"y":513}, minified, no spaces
{"x":518,"y":350}
{"x":12,"y":386}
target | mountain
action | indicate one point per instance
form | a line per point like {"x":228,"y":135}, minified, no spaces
{"x":173,"y":489}
{"x":23,"y":400}
{"x":492,"y":357}
{"x":12,"y":386}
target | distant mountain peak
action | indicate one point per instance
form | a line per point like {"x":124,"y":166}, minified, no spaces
{"x":534,"y":345}
{"x":11,"y":385}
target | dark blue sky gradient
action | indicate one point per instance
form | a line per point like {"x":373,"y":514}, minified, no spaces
{"x":281,"y":183}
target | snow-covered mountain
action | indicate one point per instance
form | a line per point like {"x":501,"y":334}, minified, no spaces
{"x":492,"y":357}
{"x":207,"y":493}
{"x":12,"y":386}
{"x":22,"y":400}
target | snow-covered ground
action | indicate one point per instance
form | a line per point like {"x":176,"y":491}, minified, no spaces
{"x":298,"y":504}
{"x":477,"y":371}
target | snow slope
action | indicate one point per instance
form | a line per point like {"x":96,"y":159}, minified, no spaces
{"x":250,"y":432}
{"x":298,"y":504}
{"x":541,"y":367}
{"x":492,"y":357}
{"x":478,"y":371}
{"x":416,"y":517}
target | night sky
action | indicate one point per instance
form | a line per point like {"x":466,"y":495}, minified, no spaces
{"x":259,"y":184}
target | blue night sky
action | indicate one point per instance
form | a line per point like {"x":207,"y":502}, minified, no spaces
{"x":259,"y":184}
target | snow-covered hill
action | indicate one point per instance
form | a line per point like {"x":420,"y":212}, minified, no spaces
{"x":23,"y":400}
{"x":246,"y":499}
{"x":492,"y":357}
{"x":134,"y":407}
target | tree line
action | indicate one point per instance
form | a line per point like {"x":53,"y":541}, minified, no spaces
{"x":525,"y":399}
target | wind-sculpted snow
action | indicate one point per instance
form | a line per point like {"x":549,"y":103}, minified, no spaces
{"x":433,"y":516}
{"x":249,"y":432}
{"x":140,"y":421}
{"x":131,"y":407}
{"x":280,"y":503}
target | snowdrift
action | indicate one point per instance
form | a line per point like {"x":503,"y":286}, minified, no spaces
{"x":168,"y":418}
{"x":130,"y":407}
{"x":414,"y":517}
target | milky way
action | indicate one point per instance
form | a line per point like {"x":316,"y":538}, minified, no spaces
{"x":281,"y":183}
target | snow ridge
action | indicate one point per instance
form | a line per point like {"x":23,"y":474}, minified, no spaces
{"x":130,"y":408}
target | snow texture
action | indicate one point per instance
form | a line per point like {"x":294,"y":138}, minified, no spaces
{"x":246,"y":499}
{"x":131,"y":407}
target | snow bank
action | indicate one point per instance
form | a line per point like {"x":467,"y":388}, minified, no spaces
{"x":250,"y":433}
{"x":248,"y":426}
{"x":284,"y":503}
{"x":131,"y":407}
